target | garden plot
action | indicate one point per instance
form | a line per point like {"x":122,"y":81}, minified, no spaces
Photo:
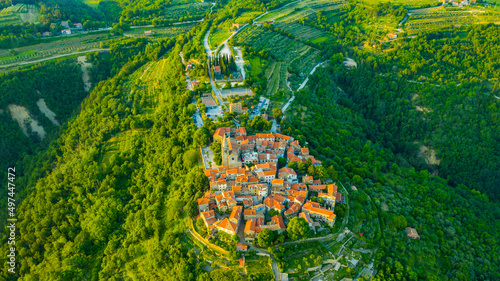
{"x":23,"y":118}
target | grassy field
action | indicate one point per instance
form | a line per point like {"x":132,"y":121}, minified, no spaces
{"x":245,"y":17}
{"x":92,"y":3}
{"x":19,"y":13}
{"x":218,"y":37}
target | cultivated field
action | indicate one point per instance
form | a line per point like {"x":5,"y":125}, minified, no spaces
{"x":304,"y":32}
{"x":52,"y":48}
{"x":288,"y":53}
{"x":187,"y":11}
{"x":19,"y":13}
{"x":67,"y":45}
{"x":449,"y":17}
{"x":408,"y":4}
{"x":300,"y":10}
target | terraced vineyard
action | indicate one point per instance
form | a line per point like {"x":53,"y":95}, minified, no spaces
{"x":418,"y":22}
{"x":411,"y":4}
{"x":19,"y":13}
{"x":301,"y":9}
{"x":286,"y":52}
{"x":303,"y":32}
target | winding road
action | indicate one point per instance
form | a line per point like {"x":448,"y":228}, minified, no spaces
{"x":52,"y":57}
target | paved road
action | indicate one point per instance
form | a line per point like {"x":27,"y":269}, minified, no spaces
{"x":51,"y":58}
{"x":274,"y":266}
{"x":274,"y":127}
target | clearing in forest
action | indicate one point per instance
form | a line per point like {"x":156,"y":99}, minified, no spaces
{"x":47,"y":112}
{"x":82,"y":60}
{"x":23,"y":118}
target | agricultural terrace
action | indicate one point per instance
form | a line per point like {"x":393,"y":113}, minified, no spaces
{"x":286,"y":54}
{"x":187,"y":11}
{"x":304,"y":32}
{"x":160,"y":32}
{"x":408,"y":4}
{"x":67,"y":45}
{"x":225,"y":29}
{"x":19,"y":13}
{"x":53,"y":48}
{"x":301,"y":9}
{"x":448,"y":17}
{"x":245,"y":17}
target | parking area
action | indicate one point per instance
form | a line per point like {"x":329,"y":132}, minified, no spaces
{"x":263,"y":103}
{"x":214,"y":112}
{"x":208,"y":157}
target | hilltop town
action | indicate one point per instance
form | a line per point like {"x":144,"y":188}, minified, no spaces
{"x":259,"y":191}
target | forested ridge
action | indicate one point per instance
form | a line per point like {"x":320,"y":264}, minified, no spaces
{"x":458,"y":226}
{"x":59,"y":84}
{"x":94,"y":214}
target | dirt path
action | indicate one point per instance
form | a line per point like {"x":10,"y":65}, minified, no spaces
{"x":51,"y":58}
{"x":47,"y":112}
{"x":82,"y":60}
{"x":23,"y":118}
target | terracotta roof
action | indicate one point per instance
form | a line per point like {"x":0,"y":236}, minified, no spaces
{"x":278,"y":219}
{"x":228,"y":225}
{"x":280,"y":136}
{"x":249,"y":212}
{"x":287,"y":170}
{"x":241,"y":246}
{"x":265,"y":136}
{"x":306,"y":216}
{"x":317,"y":187}
{"x":242,"y":261}
{"x":299,"y":186}
{"x":305,"y":150}
{"x":236,"y":188}
{"x":210,"y":221}
{"x":228,"y":194}
{"x":207,"y":214}
{"x":277,"y":181}
{"x":250,"y":226}
{"x":332,"y":189}
{"x":203,"y":201}
{"x":293,"y":209}
{"x":217,"y":68}
{"x":235,"y":214}
{"x":269,"y":173}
